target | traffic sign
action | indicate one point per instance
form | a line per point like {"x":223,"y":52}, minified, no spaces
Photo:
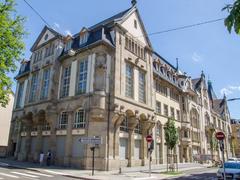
{"x":149,"y":138}
{"x":220,"y":135}
{"x":90,"y":140}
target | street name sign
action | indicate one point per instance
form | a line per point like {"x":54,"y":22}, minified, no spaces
{"x":90,"y":140}
{"x":220,"y":136}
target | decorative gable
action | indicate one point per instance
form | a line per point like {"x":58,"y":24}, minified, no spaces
{"x":46,"y":35}
{"x":134,"y":25}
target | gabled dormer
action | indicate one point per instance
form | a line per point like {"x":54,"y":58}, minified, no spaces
{"x":83,"y":36}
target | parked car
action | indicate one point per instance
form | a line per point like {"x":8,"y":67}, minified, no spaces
{"x":232,"y":171}
{"x":233,"y":159}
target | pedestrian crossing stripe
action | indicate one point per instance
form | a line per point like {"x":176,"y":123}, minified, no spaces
{"x":39,"y":174}
{"x":24,"y":174}
{"x":8,"y":175}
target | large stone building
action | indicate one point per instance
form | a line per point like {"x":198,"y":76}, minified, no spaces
{"x":108,"y":81}
{"x":5,"y":120}
{"x":236,"y":136}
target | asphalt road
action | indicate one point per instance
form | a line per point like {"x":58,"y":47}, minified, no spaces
{"x":201,"y":174}
{"x":10,"y":173}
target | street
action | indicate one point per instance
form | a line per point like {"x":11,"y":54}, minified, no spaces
{"x":10,"y":173}
{"x":206,"y":174}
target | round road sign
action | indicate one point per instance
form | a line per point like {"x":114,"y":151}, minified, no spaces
{"x":220,"y":135}
{"x":149,"y":138}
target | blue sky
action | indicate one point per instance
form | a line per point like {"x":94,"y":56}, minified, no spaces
{"x":209,"y":47}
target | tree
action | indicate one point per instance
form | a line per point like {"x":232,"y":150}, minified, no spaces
{"x":171,"y":138}
{"x":233,"y":19}
{"x":11,"y":46}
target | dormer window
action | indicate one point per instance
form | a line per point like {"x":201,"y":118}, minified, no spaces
{"x":68,"y":45}
{"x":83,"y":38}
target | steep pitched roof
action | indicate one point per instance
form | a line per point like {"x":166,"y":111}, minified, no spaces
{"x":211,"y":92}
{"x":196,"y":83}
{"x":110,"y":20}
{"x":218,"y":106}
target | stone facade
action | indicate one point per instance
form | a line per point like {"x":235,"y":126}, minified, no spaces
{"x":236,"y":136}
{"x":107,"y":81}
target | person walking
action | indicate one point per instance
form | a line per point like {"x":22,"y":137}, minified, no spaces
{"x":41,"y":158}
{"x":49,"y":157}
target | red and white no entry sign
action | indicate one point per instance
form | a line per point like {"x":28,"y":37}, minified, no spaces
{"x":220,"y":135}
{"x":149,"y":138}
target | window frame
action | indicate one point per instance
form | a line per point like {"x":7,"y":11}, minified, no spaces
{"x":129,"y":81}
{"x":84,"y":73}
{"x":66,"y":77}
{"x":45,"y":84}
{"x":80,"y":123}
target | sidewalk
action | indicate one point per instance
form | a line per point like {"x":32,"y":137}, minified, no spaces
{"x":137,"y":173}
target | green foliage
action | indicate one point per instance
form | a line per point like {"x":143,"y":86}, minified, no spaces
{"x":171,"y":134}
{"x":11,"y":46}
{"x":233,"y":19}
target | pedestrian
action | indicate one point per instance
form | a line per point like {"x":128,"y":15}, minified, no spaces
{"x":49,"y":157}
{"x":41,"y":158}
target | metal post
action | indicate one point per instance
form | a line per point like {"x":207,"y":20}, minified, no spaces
{"x":222,"y":149}
{"x":150,"y":159}
{"x":93,"y":156}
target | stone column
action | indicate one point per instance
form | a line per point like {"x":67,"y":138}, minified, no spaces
{"x":162,"y":145}
{"x":68,"y":143}
{"x":27,"y":148}
{"x":52,"y":120}
{"x":144,"y":148}
{"x":130,"y":147}
{"x":18,"y":145}
{"x":39,"y":142}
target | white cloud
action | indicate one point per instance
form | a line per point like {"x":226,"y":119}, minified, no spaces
{"x":56,"y":25}
{"x":68,"y":32}
{"x":196,"y":57}
{"x":234,"y":88}
{"x":225,"y":91}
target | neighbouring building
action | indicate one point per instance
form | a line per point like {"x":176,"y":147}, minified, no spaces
{"x":108,"y":81}
{"x":236,"y":136}
{"x":5,"y":121}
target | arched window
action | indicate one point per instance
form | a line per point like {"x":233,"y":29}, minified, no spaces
{"x":124,"y":125}
{"x":80,"y":119}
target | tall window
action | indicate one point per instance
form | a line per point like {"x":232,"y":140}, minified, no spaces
{"x":33,"y":89}
{"x":63,"y":120}
{"x":165,"y":110}
{"x":82,"y":77}
{"x":161,"y":88}
{"x":45,"y":85}
{"x":178,"y":115}
{"x":158,"y":107}
{"x":20,"y":95}
{"x":49,"y":50}
{"x":141,"y":88}
{"x":80,"y":119}
{"x":129,"y":81}
{"x":68,"y":45}
{"x":124,"y":125}
{"x":172,"y":112}
{"x":65,"y":81}
{"x":138,"y":129}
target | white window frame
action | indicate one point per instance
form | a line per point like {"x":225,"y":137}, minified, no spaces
{"x":129,"y":76}
{"x":66,"y":77}
{"x":33,"y":89}
{"x":82,"y":77}
{"x":45,"y":83}
{"x":20,"y":95}
{"x":142,"y":87}
{"x":80,"y":119}
{"x":63,"y":120}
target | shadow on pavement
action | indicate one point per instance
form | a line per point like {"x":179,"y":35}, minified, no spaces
{"x":207,"y":176}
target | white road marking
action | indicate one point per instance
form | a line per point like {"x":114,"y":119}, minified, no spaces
{"x":8,"y":175}
{"x":54,"y":172}
{"x":23,"y":174}
{"x":39,"y":174}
